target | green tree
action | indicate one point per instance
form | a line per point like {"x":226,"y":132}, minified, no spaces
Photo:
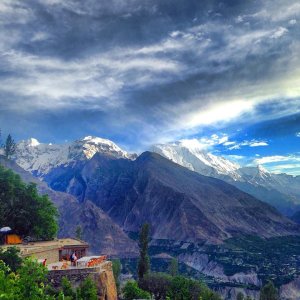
{"x":179,"y":289}
{"x":132,"y":291}
{"x":78,"y":232}
{"x":67,"y":290}
{"x":11,"y":257}
{"x":158,"y":284}
{"x":29,"y":282}
{"x":8,"y":283}
{"x":32,"y":279}
{"x":23,"y":209}
{"x":269,"y":292}
{"x":240,"y":296}
{"x":144,"y":260}
{"x":9,"y":147}
{"x":88,"y":290}
{"x":173,"y":268}
{"x":116,"y":266}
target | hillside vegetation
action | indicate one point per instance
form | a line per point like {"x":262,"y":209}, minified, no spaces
{"x":24,"y":210}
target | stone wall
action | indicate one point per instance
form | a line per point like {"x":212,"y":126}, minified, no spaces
{"x":102,"y":275}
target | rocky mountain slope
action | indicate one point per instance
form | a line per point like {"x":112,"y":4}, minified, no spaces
{"x":103,"y":235}
{"x":178,"y":203}
{"x":280,"y":190}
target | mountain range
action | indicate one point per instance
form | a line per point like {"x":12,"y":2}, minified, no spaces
{"x":178,"y":202}
{"x":280,"y":190}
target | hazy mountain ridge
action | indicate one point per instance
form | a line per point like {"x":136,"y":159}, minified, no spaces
{"x":279,"y":190}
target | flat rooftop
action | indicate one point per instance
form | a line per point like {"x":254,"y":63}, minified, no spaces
{"x":34,"y":247}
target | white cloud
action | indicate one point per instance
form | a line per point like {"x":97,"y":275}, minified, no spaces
{"x":293,"y":22}
{"x":40,"y":36}
{"x":229,"y":143}
{"x":54,"y":82}
{"x":258,"y":144}
{"x":205,"y":143}
{"x":276,"y":159}
{"x":275,"y":13}
{"x":218,"y":112}
{"x":298,"y":134}
{"x":279,"y":32}
{"x":289,"y":164}
{"x":251,"y":143}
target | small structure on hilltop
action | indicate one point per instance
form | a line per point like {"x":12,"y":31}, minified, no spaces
{"x":9,"y":238}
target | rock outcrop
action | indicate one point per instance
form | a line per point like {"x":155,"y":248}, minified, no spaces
{"x":101,"y":275}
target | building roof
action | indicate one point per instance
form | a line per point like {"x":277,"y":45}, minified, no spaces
{"x":34,"y":247}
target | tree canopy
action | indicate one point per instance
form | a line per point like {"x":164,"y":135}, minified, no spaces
{"x":9,"y":146}
{"x":24,"y":210}
{"x":144,"y":260}
{"x":269,"y":292}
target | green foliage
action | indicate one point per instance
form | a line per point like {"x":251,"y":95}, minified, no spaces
{"x":8,"y":283}
{"x":269,"y":292}
{"x":116,"y":266}
{"x":180,"y":289}
{"x":158,"y":284}
{"x":78,"y":232}
{"x":144,"y":260}
{"x":173,"y":268}
{"x":88,"y":290}
{"x":163,"y":286}
{"x":67,"y":290}
{"x":132,"y":291}
{"x":28,"y":283}
{"x":9,"y":147}
{"x":240,"y":296}
{"x":22,"y":209}
{"x":11,"y":257}
{"x":32,"y":280}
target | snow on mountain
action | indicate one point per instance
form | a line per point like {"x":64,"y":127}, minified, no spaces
{"x":194,"y":158}
{"x":280,"y":190}
{"x":255,"y":175}
{"x":40,"y":158}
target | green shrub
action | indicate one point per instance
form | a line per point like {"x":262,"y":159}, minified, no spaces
{"x":132,"y":291}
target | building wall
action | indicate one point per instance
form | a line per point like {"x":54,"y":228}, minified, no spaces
{"x":52,"y":255}
{"x":102,"y":275}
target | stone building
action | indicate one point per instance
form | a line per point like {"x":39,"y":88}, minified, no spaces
{"x":55,"y":255}
{"x":54,"y":251}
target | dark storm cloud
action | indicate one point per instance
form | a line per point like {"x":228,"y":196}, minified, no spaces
{"x":144,"y":71}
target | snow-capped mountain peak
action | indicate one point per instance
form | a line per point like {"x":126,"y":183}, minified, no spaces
{"x":32,"y":142}
{"x":191,"y":155}
{"x":40,"y":158}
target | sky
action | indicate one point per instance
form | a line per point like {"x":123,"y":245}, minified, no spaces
{"x":225,"y":74}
